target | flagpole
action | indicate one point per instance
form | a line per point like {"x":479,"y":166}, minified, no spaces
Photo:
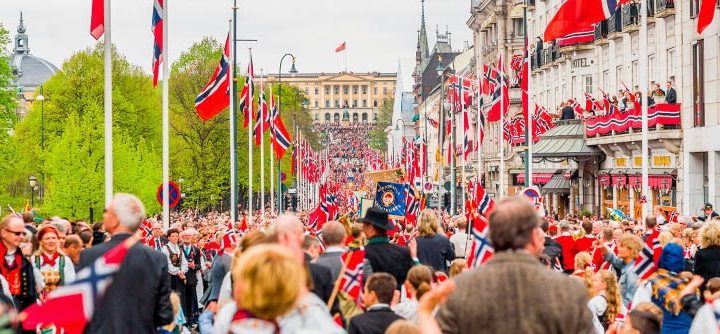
{"x":165,"y":122}
{"x":108,"y":106}
{"x":478,"y":168}
{"x":529,"y":120}
{"x":262,"y":151}
{"x":249,"y":103}
{"x":643,"y":64}
{"x":501,"y":141}
{"x":233,"y":123}
{"x":272,"y":162}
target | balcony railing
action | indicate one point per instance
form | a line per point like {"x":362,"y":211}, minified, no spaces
{"x":631,"y":14}
{"x":615,"y":21}
{"x":663,"y":5}
{"x":661,"y":116}
{"x":545,"y":56}
{"x":602,"y":30}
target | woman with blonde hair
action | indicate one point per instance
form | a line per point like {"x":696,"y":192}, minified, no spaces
{"x":433,"y":248}
{"x":605,"y":303}
{"x":56,"y":268}
{"x":628,"y":249}
{"x":419,"y":281}
{"x":262,"y":291}
{"x":707,"y":258}
{"x":584,"y":270}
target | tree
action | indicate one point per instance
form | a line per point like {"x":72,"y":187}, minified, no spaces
{"x":377,"y":136}
{"x":73,"y":160}
{"x":8,"y":119}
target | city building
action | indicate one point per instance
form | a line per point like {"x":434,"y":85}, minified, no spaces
{"x":29,"y":72}
{"x":332,"y":96}
{"x":684,"y":141}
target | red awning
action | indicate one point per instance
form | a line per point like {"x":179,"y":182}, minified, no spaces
{"x":660,"y":181}
{"x":619,"y":180}
{"x":604,"y":180}
{"x":538,"y":178}
{"x":635,"y":181}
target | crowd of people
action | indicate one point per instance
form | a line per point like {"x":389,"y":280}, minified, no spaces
{"x":273,"y":276}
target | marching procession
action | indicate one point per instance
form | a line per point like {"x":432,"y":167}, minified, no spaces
{"x":488,"y":199}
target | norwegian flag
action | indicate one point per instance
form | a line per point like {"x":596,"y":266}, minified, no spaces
{"x":433,"y":123}
{"x":516,"y":62}
{"x":481,"y":249}
{"x":460,"y":92}
{"x":605,"y":101}
{"x":157,"y":30}
{"x":481,"y":127}
{"x":542,"y":122}
{"x":352,"y":278}
{"x":500,"y":96}
{"x":484,"y":204}
{"x":646,"y":262}
{"x":279,"y":135}
{"x":584,"y":35}
{"x":97,"y":19}
{"x":591,"y":103}
{"x":412,"y":204}
{"x":71,"y":307}
{"x":577,"y":108}
{"x":262,"y":122}
{"x":215,"y":97}
{"x":507,"y":130}
{"x":489,"y":80}
{"x":246,"y":96}
{"x":229,"y":237}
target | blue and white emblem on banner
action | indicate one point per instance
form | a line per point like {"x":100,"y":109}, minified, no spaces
{"x":390,"y":197}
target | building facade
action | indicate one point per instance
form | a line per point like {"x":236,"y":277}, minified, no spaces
{"x":332,"y":96}
{"x":684,"y":158}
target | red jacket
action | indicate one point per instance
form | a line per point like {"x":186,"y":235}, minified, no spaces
{"x":567,"y":243}
{"x":584,"y":244}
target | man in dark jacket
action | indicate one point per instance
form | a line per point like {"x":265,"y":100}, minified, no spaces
{"x":377,"y":296}
{"x":192,"y":255}
{"x":567,"y":112}
{"x":552,"y":248}
{"x":138,"y":301}
{"x":383,"y":256}
{"x":15,"y":268}
{"x":671,"y":95}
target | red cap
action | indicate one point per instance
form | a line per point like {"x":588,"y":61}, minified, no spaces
{"x":552,"y":228}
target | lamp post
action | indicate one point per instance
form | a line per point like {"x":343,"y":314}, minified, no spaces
{"x":41,"y":98}
{"x":292,"y":71}
{"x":440,"y":69}
{"x":33,"y":186}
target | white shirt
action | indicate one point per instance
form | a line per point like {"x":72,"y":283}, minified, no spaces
{"x":173,"y":270}
{"x":68,"y":269}
{"x":460,"y":241}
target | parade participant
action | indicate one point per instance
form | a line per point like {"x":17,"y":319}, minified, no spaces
{"x":708,"y":213}
{"x":177,"y":264}
{"x":628,"y":249}
{"x":585,"y":243}
{"x":333,"y":235}
{"x":158,"y":236}
{"x":57,"y":269}
{"x":552,"y":248}
{"x":707,"y":258}
{"x":419,"y":281}
{"x":383,"y":256}
{"x":262,"y":291}
{"x":645,"y":318}
{"x":535,"y":300}
{"x":457,"y":267}
{"x":433,"y":248}
{"x":73,"y":247}
{"x":606,"y":302}
{"x":567,"y":242}
{"x":138,"y":301}
{"x":194,"y":264}
{"x":584,"y":270}
{"x":665,"y":289}
{"x":17,"y":270}
{"x":460,"y":239}
{"x":377,"y":294}
{"x":174,"y":327}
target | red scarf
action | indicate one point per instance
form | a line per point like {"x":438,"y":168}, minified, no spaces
{"x":11,"y":272}
{"x":49,"y":260}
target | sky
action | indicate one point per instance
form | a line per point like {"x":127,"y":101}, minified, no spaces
{"x":379,"y":33}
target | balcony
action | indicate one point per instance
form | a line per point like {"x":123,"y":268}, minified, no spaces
{"x":601,"y":32}
{"x":615,"y":24}
{"x":663,"y":123}
{"x":631,"y":16}
{"x":664,"y":8}
{"x":545,"y":57}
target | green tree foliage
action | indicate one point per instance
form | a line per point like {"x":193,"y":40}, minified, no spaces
{"x":72,"y":161}
{"x":377,"y":135}
{"x":8,"y":119}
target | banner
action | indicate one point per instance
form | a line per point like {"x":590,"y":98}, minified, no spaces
{"x":661,"y":113}
{"x":390,"y":197}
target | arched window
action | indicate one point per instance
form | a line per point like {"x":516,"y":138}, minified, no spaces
{"x":327,"y":117}
{"x":337,"y":117}
{"x":355,"y":117}
{"x":364,"y":117}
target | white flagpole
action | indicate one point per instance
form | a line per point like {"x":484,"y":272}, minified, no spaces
{"x":262,"y":152}
{"x":501,"y":140}
{"x":108,"y":107}
{"x":250,"y":145}
{"x":272,"y":176}
{"x":643,"y":64}
{"x":165,"y":122}
{"x":478,"y":168}
{"x":233,"y":151}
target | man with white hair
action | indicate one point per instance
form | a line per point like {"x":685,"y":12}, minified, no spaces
{"x":138,"y":301}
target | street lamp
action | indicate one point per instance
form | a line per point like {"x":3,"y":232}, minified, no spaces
{"x":41,"y":98}
{"x":292,"y":71}
{"x":33,"y":186}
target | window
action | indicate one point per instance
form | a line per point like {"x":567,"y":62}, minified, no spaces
{"x":354,"y":104}
{"x":694,"y":8}
{"x":364,"y":117}
{"x":355,"y":89}
{"x":336,"y":89}
{"x":364,"y":89}
{"x":375,"y":90}
{"x":618,"y":77}
{"x":307,"y":90}
{"x":346,"y":89}
{"x":517,"y":27}
{"x":364,"y":103}
{"x":337,"y":103}
{"x":375,"y":103}
{"x":317,"y":117}
{"x":384,"y":90}
{"x":588,"y":80}
{"x":653,"y":75}
{"x":317,"y":91}
{"x":635,"y":74}
{"x":573,"y":86}
{"x":670,"y":62}
{"x":346,"y":104}
{"x":316,"y":104}
{"x":698,"y":83}
{"x":327,"y":117}
{"x":327,"y":90}
{"x":327,"y":103}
